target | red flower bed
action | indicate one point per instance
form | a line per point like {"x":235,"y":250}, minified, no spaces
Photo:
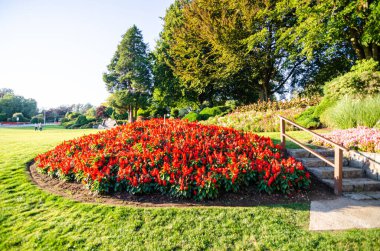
{"x":179,"y":158}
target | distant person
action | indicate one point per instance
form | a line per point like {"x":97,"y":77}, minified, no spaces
{"x":35,"y":127}
{"x":40,"y":126}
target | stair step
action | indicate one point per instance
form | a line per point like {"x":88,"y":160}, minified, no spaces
{"x":327,"y":172}
{"x":316,"y":162}
{"x":301,"y":153}
{"x":355,"y":185}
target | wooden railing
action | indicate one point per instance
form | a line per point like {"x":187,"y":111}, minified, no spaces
{"x":338,"y":152}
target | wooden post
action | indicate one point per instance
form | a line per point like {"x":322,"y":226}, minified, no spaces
{"x":338,"y":169}
{"x":282,"y":130}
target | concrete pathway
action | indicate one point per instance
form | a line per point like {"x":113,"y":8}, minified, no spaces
{"x":345,"y":213}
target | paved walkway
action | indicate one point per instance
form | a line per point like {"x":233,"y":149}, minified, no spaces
{"x":345,"y":213}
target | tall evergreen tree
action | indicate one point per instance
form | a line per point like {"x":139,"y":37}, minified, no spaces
{"x":129,"y":73}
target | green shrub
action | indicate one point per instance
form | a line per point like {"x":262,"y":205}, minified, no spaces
{"x":68,"y":124}
{"x":36,"y":120}
{"x":183,"y":112}
{"x":72,"y":115}
{"x":211,"y":111}
{"x":174,"y":113}
{"x":192,"y":116}
{"x":351,"y":112}
{"x":362,"y":80}
{"x":64,"y":120}
{"x":308,"y":119}
{"x":143,"y":113}
{"x":81,"y":120}
{"x":117,"y":116}
{"x":3,"y":117}
{"x":20,"y":117}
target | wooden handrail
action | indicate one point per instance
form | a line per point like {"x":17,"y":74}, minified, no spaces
{"x":338,"y":153}
{"x":310,"y":150}
{"x":315,"y":134}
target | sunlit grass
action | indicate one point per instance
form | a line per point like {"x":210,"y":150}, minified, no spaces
{"x":32,"y":219}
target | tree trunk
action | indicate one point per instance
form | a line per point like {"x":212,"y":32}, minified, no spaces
{"x":264,"y":92}
{"x":357,"y":47}
{"x":375,"y":52}
{"x":368,"y":51}
{"x":130,"y":114}
{"x":136,"y":108}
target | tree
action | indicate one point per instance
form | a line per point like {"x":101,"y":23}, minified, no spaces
{"x":129,"y":73}
{"x":4,"y":91}
{"x":324,"y":22}
{"x":169,"y":90}
{"x":245,"y":50}
{"x":103,"y":112}
{"x":227,"y":49}
{"x":11,"y":103}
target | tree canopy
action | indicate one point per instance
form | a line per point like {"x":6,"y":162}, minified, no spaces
{"x":246,"y":50}
{"x":129,"y":73}
{"x":11,"y":104}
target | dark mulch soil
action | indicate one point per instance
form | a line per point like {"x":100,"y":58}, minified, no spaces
{"x":245,"y":198}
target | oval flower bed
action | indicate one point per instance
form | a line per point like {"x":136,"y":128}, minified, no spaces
{"x":178,"y":158}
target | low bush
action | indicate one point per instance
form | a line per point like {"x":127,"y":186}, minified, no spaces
{"x":143,"y":113}
{"x":362,"y":139}
{"x":307,"y":119}
{"x":310,"y":118}
{"x":68,"y":124}
{"x":209,"y":112}
{"x":351,"y":112}
{"x":192,"y":116}
{"x":72,"y":115}
{"x":80,"y":121}
{"x":20,"y":117}
{"x":36,"y":120}
{"x":3,"y":117}
{"x":183,"y":112}
{"x":174,"y":113}
{"x":180,"y":159}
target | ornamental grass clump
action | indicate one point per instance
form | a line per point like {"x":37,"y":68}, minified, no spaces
{"x":361,"y":138}
{"x":177,"y":158}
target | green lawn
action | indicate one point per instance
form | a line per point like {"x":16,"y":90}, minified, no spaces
{"x":33,"y":219}
{"x":301,"y":136}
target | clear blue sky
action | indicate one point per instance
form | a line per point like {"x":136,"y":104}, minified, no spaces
{"x":55,"y":51}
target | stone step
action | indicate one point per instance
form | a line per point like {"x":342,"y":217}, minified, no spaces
{"x":316,"y":162}
{"x":301,"y":153}
{"x":355,"y":185}
{"x":327,"y":172}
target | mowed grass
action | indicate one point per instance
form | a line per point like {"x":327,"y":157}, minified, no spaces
{"x":302,"y":136}
{"x":31,"y":219}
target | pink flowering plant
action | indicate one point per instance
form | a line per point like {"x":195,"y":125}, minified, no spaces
{"x":361,"y":139}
